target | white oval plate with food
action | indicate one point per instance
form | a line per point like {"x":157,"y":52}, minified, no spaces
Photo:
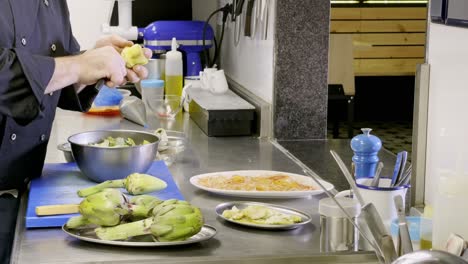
{"x":88,"y":235}
{"x":305,"y":218}
{"x":198,"y":180}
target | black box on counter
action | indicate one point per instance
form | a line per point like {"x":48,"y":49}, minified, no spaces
{"x":220,"y":115}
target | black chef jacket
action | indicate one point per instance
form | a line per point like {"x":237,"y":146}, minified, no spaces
{"x":32,"y":32}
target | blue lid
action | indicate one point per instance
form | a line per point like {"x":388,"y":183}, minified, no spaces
{"x":152,"y":83}
{"x":366,"y":142}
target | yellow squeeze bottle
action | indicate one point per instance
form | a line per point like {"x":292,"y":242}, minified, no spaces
{"x":174,"y":71}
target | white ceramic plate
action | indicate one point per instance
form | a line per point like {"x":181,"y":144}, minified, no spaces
{"x":88,"y":235}
{"x":285,"y":210}
{"x":263,"y":194}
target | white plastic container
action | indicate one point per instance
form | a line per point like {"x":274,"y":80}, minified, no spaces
{"x":151,"y":89}
{"x":174,"y":71}
{"x":450,"y":210}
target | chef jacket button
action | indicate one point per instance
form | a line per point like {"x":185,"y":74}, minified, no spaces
{"x":23,"y":41}
{"x":13,"y":137}
{"x":53,"y":47}
{"x":43,"y":137}
{"x":52,"y":93}
{"x":46,"y":2}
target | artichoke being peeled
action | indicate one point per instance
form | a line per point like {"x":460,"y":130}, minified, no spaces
{"x":173,"y":220}
{"x":135,"y":184}
{"x":134,"y":55}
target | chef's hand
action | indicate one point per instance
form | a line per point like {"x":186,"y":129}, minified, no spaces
{"x":115,"y":41}
{"x":138,"y":72}
{"x":101,"y":63}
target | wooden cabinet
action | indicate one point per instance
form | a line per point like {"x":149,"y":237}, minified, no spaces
{"x":388,"y":41}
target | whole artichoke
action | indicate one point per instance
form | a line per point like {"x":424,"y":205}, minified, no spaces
{"x":135,"y":184}
{"x":173,"y":220}
{"x":142,"y":206}
{"x":105,"y":208}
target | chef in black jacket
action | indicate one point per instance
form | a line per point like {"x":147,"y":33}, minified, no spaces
{"x":37,"y":75}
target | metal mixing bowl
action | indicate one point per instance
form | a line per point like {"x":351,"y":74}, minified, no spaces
{"x":429,"y":256}
{"x":102,"y":164}
{"x":67,"y":153}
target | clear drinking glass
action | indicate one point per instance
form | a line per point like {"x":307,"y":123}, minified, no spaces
{"x":167,"y":106}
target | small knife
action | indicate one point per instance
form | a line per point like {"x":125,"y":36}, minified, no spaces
{"x":101,"y":83}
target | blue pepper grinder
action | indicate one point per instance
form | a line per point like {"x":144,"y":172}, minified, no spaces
{"x":366,"y":148}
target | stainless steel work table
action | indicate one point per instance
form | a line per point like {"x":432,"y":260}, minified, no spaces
{"x":232,"y":244}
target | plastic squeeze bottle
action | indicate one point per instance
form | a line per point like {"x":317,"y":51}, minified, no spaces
{"x":366,"y":148}
{"x":174,"y":71}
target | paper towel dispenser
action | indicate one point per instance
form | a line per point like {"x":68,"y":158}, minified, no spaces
{"x":457,"y":13}
{"x":438,"y":11}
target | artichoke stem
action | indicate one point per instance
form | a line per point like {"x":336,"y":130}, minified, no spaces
{"x":125,"y":231}
{"x":97,"y":188}
{"x":77,"y":222}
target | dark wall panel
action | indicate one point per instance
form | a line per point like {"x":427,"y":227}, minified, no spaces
{"x":301,"y":66}
{"x":147,"y":11}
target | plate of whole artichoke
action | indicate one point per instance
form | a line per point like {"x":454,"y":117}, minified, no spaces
{"x":109,"y":217}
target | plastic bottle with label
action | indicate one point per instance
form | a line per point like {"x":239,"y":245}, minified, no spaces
{"x":174,"y":71}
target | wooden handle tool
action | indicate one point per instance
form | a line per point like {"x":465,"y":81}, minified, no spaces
{"x":58,"y":209}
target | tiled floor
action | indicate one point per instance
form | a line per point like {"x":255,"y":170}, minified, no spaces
{"x":395,"y":136}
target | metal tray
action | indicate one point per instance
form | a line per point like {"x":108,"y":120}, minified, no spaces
{"x":88,"y":235}
{"x":286,"y":210}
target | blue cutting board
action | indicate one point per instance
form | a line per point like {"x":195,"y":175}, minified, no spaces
{"x":60,"y":182}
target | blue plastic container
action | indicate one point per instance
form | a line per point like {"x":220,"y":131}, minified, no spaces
{"x":414,"y":227}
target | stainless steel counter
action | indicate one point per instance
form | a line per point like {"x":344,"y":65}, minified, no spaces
{"x":232,"y":244}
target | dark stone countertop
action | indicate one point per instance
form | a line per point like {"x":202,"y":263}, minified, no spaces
{"x":316,"y":155}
